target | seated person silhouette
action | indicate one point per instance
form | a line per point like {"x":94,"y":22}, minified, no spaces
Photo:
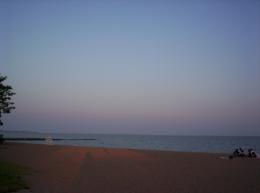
{"x":251,"y":153}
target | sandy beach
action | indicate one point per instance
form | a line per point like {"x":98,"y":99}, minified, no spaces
{"x":65,"y":169}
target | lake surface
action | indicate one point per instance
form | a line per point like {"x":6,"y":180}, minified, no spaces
{"x":221,"y":144}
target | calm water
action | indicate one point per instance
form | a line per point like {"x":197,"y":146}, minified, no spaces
{"x":154,"y":142}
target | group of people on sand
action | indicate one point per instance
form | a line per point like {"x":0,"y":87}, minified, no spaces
{"x":239,"y":152}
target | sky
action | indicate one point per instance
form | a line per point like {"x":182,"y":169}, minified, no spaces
{"x":138,"y":67}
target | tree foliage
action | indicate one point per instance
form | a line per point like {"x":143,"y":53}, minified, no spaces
{"x":6,"y":93}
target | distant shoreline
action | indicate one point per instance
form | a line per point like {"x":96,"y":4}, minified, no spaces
{"x":38,"y":139}
{"x":208,"y":144}
{"x":130,"y":134}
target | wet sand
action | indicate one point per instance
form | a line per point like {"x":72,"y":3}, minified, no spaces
{"x":66,"y":169}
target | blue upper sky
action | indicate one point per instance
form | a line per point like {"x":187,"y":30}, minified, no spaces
{"x":154,"y":67}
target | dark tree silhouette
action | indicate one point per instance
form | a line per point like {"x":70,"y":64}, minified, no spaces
{"x":6,"y":93}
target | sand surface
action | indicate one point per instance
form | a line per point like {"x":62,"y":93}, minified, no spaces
{"x":64,"y":169}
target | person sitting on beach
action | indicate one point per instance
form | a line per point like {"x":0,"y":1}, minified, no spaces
{"x":251,"y":153}
{"x":241,"y":152}
{"x":235,"y":154}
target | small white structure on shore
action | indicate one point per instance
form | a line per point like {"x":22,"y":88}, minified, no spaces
{"x":49,"y":141}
